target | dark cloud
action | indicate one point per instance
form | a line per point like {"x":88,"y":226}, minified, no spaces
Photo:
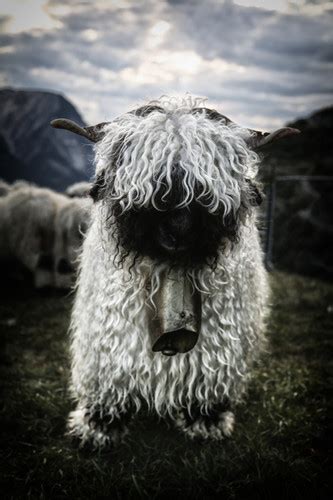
{"x":260,"y":65}
{"x":252,"y":36}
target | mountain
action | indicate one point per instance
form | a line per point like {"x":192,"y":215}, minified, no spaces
{"x":309,"y":152}
{"x":31,"y":149}
{"x":10,"y":163}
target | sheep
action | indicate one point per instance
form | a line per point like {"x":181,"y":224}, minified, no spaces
{"x":78,"y":190}
{"x":22,"y":183}
{"x":172,"y":240}
{"x":43,"y":231}
{"x":4,"y":188}
{"x":27,"y":228}
{"x":71,"y":223}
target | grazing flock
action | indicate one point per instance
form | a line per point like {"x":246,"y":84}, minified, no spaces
{"x":41,"y":231}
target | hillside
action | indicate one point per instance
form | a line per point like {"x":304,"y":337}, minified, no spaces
{"x":37,"y":152}
{"x":302,"y":226}
{"x":310,"y":152}
{"x":10,"y":166}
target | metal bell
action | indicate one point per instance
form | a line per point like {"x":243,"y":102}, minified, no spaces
{"x":175,"y":320}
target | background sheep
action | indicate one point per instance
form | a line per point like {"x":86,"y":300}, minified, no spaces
{"x":27,"y":228}
{"x":78,"y":190}
{"x":4,"y":188}
{"x":71,"y":223}
{"x":21,"y":183}
{"x":42,"y":230}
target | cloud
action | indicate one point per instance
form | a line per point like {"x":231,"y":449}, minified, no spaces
{"x":25,"y":15}
{"x":261,"y":66}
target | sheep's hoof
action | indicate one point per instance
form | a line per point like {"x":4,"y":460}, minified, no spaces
{"x":215,"y":427}
{"x":91,"y":431}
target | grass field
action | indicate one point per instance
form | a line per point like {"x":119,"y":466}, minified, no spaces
{"x":280,"y":448}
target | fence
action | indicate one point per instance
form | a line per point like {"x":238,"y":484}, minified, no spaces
{"x":272,"y":196}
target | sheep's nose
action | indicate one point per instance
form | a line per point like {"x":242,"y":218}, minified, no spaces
{"x":45,"y":262}
{"x":64,"y":267}
{"x":174,"y":231}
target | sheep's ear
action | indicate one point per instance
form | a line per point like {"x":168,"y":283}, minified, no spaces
{"x":257,"y":139}
{"x":94,"y":133}
{"x":97,"y":187}
{"x":260,"y":139}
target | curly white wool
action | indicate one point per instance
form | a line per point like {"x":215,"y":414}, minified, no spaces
{"x":212,"y":156}
{"x":27,"y":225}
{"x":71,"y":221}
{"x":113,"y":362}
{"x":113,"y":365}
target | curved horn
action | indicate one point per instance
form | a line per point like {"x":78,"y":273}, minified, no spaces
{"x":257,"y":139}
{"x":94,"y":133}
{"x":260,"y":139}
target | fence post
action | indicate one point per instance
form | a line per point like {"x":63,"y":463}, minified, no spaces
{"x":270,"y":221}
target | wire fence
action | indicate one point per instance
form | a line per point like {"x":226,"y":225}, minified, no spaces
{"x":273,"y":233}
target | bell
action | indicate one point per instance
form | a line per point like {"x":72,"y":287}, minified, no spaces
{"x":175,"y":320}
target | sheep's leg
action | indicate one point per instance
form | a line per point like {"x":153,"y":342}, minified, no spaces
{"x":217,"y":425}
{"x":103,"y":407}
{"x":99,"y":420}
{"x":98,"y":427}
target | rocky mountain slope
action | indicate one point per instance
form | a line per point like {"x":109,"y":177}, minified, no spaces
{"x":31,"y":149}
{"x":310,"y":152}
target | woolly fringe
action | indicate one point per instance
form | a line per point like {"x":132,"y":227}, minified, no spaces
{"x":139,"y":153}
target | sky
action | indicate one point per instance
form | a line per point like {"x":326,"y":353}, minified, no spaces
{"x":262,"y":63}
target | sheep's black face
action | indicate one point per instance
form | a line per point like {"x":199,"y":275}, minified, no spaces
{"x":183,"y":236}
